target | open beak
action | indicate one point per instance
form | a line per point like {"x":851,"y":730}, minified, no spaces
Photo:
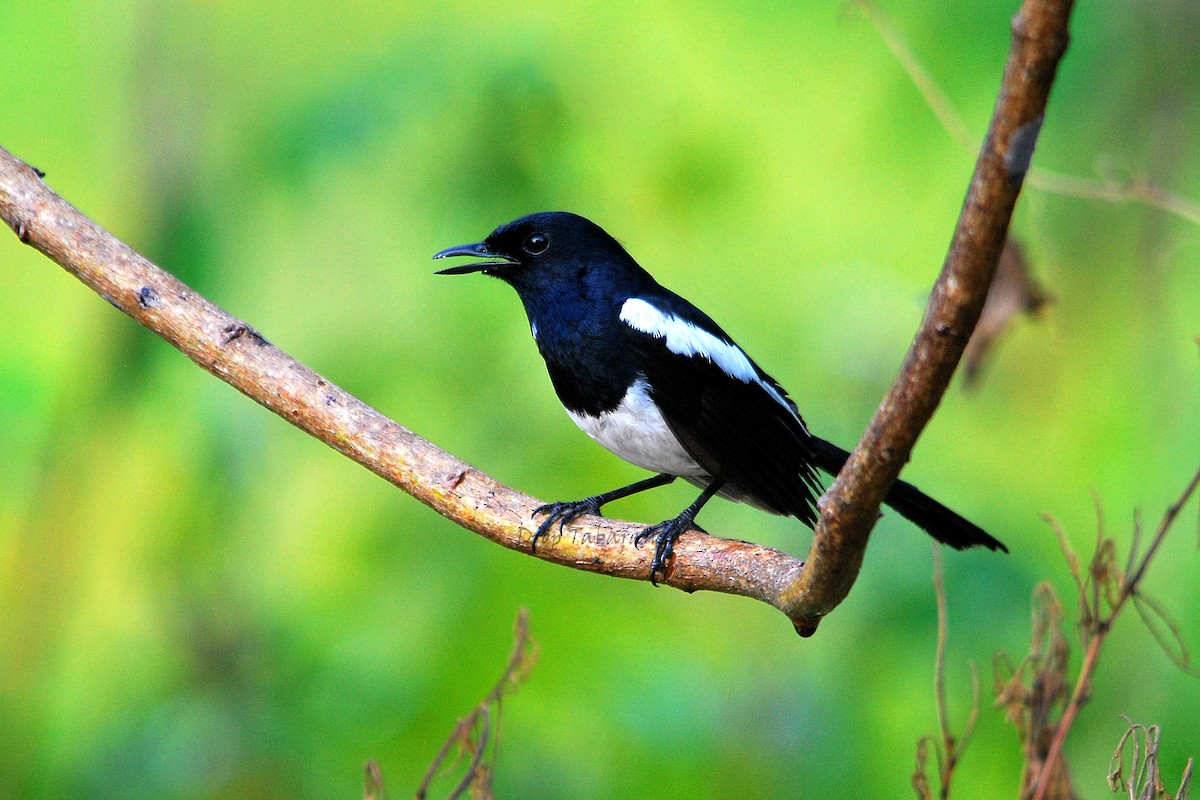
{"x":477,"y":250}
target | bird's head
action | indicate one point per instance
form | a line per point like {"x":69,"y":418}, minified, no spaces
{"x":538,"y":250}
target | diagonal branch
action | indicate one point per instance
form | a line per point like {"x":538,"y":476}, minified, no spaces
{"x":237,"y":354}
{"x":850,"y":507}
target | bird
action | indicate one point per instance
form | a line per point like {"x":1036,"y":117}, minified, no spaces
{"x":653,"y":379}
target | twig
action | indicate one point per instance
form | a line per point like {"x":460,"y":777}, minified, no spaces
{"x":939,"y":667}
{"x":935,"y":98}
{"x":1133,"y":190}
{"x":1145,"y":778}
{"x":1036,"y":687}
{"x":950,"y":749}
{"x":373,"y":782}
{"x":473,"y":733}
{"x":483,"y":719}
{"x":1131,"y":581}
{"x":851,"y":506}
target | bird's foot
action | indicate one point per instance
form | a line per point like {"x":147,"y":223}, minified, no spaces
{"x":664,"y":533}
{"x":563,"y":512}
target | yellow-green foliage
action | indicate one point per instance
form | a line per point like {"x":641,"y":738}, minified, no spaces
{"x":197,"y":601}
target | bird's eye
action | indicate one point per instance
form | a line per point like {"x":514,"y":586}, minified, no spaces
{"x":535,"y":244}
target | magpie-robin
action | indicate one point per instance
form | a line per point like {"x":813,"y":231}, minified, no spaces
{"x":654,"y":380}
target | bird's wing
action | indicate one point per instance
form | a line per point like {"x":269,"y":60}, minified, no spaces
{"x":730,"y":416}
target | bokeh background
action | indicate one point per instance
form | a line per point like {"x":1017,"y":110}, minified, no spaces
{"x":198,"y":601}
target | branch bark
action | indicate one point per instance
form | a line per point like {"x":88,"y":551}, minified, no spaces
{"x":851,"y":506}
{"x":237,"y":354}
{"x":233,"y":351}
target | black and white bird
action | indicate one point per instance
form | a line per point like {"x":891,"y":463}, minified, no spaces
{"x":654,"y":380}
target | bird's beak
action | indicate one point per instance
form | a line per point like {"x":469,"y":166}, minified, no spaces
{"x":477,"y":250}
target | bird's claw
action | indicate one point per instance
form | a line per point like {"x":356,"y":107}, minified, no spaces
{"x":562,"y":512}
{"x":665,"y":534}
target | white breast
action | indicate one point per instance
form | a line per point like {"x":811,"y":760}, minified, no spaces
{"x":636,"y":431}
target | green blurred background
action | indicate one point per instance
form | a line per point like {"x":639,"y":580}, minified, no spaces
{"x":198,"y":601}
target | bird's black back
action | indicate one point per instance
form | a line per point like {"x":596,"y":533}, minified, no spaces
{"x":737,"y":430}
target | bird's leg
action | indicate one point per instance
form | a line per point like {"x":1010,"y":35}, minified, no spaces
{"x":668,"y":531}
{"x":563,"y":512}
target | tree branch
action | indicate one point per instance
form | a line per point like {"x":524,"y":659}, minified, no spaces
{"x":237,"y":354}
{"x":851,"y":506}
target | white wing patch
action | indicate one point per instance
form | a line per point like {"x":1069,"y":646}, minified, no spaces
{"x":686,"y":339}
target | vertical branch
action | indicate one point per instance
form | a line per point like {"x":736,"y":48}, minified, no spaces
{"x":850,"y":507}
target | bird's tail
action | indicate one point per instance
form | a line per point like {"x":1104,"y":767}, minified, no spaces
{"x":914,"y":505}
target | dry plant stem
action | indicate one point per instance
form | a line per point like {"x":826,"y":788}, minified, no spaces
{"x":1132,"y":580}
{"x":234,"y":352}
{"x":850,"y":507}
{"x":1134,"y":190}
{"x":520,"y":661}
{"x":373,"y":782}
{"x":952,"y":747}
{"x":939,"y":676}
{"x":1099,"y":631}
{"x":1145,"y":781}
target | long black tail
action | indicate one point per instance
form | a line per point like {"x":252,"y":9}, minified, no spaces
{"x":914,"y":505}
